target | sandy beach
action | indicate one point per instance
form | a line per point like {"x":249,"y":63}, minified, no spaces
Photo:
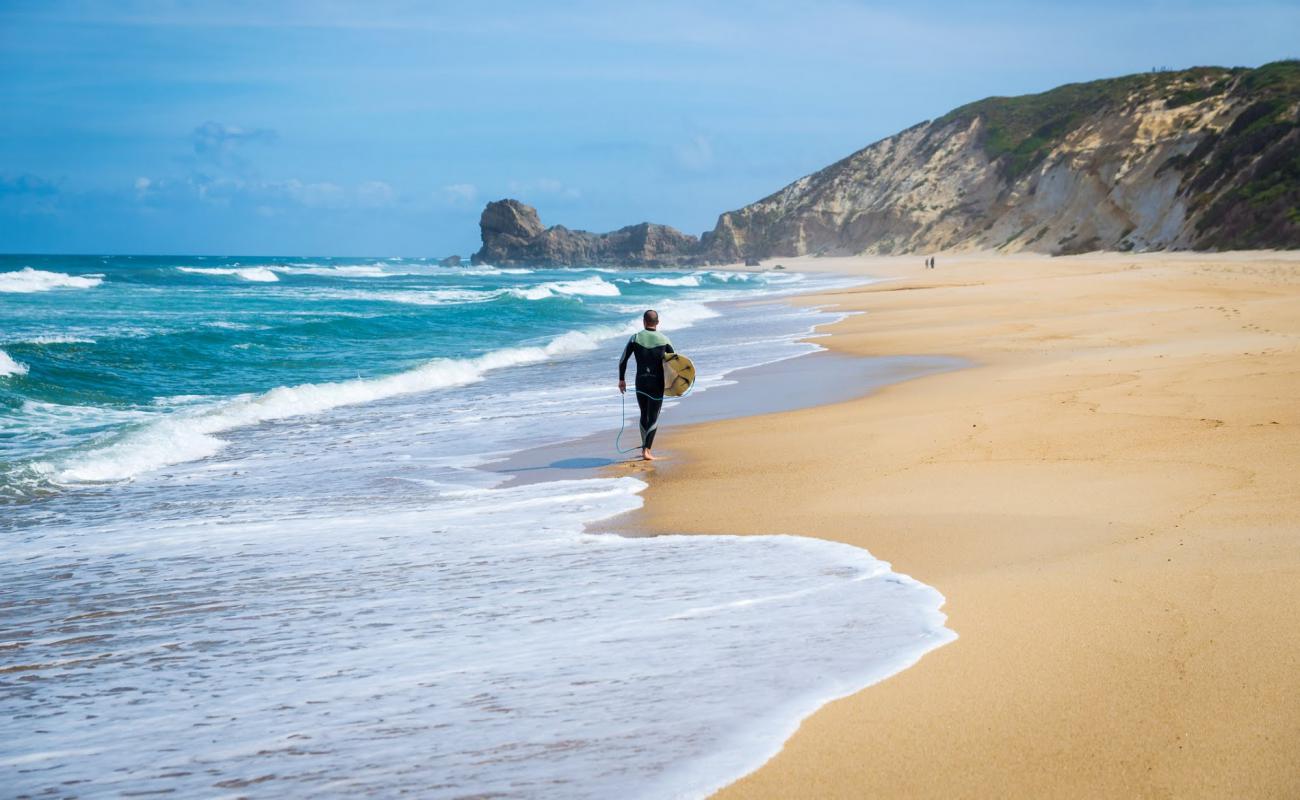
{"x":1107,"y":497}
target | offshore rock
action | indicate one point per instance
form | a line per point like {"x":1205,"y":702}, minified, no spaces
{"x":513,"y":234}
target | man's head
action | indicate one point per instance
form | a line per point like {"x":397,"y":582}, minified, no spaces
{"x":650,"y":319}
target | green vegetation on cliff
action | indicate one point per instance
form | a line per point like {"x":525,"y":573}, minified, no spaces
{"x":1252,"y":169}
{"x":1244,"y":180}
{"x":1022,"y":130}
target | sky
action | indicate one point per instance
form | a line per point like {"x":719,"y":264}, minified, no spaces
{"x":382,"y":128}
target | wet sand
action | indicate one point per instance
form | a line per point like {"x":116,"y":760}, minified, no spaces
{"x":1107,"y":497}
{"x":794,"y":383}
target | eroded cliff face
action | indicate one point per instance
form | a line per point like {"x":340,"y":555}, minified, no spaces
{"x":1205,"y":158}
{"x":513,"y":233}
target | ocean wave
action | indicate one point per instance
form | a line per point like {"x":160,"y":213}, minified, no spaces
{"x":231,"y":326}
{"x":56,"y":339}
{"x":192,"y":434}
{"x":488,"y":269}
{"x":675,"y":313}
{"x":595,"y":286}
{"x":10,"y":367}
{"x":684,"y":280}
{"x":254,"y":274}
{"x":59,"y":424}
{"x":728,"y":277}
{"x":27,"y":280}
{"x":343,"y":271}
{"x":414,"y":297}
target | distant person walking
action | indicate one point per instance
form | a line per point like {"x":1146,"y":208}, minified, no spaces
{"x":649,"y":346}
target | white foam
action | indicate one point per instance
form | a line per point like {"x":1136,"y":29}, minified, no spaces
{"x":413,"y":297}
{"x":673,"y":313}
{"x":10,"y":367}
{"x":723,"y":275}
{"x":342,"y":271}
{"x":254,"y":274}
{"x":28,"y":280}
{"x":53,"y":422}
{"x":55,"y":339}
{"x":482,"y":645}
{"x":487,"y":269}
{"x":685,"y":280}
{"x":595,"y":286}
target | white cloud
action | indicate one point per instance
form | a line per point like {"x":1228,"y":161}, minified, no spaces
{"x":323,"y":194}
{"x":216,"y":142}
{"x":265,"y":198}
{"x":459,"y":194}
{"x":376,"y":194}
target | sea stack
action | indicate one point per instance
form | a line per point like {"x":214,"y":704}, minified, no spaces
{"x":513,"y":233}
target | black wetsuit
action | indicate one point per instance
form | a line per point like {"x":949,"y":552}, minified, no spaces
{"x":649,"y":347}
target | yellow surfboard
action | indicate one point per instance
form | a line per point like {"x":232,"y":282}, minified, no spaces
{"x":679,"y":375}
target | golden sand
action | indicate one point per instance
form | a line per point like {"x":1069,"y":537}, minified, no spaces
{"x":1109,"y":498}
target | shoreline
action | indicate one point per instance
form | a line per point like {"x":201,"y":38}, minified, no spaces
{"x":1096,"y":498}
{"x":818,"y":378}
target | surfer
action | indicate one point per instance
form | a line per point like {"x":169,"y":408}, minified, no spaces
{"x":649,"y":346}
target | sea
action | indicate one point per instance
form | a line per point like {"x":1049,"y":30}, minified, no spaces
{"x":255,"y":540}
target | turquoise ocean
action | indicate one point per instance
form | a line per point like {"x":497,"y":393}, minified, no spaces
{"x":254,"y":543}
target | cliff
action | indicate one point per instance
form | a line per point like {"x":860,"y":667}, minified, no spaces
{"x":513,"y":233}
{"x":1206,"y":158}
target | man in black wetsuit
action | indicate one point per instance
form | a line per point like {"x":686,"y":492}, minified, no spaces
{"x":649,"y":346}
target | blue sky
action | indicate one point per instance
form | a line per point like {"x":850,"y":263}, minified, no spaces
{"x":381,"y":128}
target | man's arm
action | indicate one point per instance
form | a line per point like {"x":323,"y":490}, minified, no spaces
{"x":622,"y":362}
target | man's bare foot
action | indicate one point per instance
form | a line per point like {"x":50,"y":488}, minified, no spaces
{"x":647,"y":455}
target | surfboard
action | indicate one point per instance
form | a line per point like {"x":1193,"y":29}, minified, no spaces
{"x":679,"y":375}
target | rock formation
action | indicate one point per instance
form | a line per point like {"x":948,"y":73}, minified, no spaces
{"x":513,"y":234}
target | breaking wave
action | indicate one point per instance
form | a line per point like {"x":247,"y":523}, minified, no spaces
{"x":191,"y":434}
{"x":595,"y":286}
{"x":28,"y":280}
{"x":255,"y":274}
{"x":10,"y":367}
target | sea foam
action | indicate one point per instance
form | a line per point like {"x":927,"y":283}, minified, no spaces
{"x":58,"y":339}
{"x":341,"y":271}
{"x":483,"y":646}
{"x":595,"y":286}
{"x":28,"y":280}
{"x":414,"y":297}
{"x":684,"y":280}
{"x":253,"y":274}
{"x":10,"y":367}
